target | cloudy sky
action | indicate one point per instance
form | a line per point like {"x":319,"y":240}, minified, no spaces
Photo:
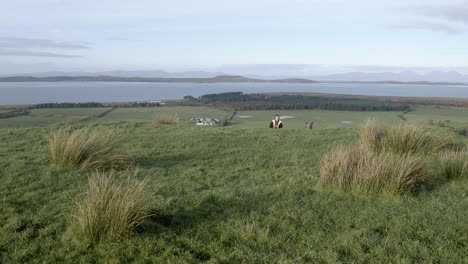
{"x":311,"y":36}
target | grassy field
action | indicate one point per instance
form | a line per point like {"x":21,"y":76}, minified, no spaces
{"x":151,"y":113}
{"x":422,"y":116}
{"x":45,"y":117}
{"x":321,"y":118}
{"x":71,"y":112}
{"x":331,"y":119}
{"x":227,"y":195}
{"x":30,"y":121}
{"x":247,"y":119}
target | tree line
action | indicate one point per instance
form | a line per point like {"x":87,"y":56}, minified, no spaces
{"x":240,"y":101}
{"x":93,"y":104}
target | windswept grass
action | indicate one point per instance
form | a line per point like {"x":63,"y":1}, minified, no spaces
{"x":109,"y":209}
{"x":95,"y":149}
{"x":167,"y":120}
{"x":352,"y":168}
{"x":454,"y":164}
{"x":402,"y":139}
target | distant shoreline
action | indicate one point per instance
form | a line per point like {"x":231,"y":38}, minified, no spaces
{"x":434,"y":101}
{"x":217,"y":79}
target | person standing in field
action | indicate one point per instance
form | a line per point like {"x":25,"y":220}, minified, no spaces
{"x":276,"y":122}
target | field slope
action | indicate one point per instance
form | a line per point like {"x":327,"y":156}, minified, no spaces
{"x":227,"y":195}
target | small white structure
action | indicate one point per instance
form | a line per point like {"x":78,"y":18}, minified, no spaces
{"x":200,"y":121}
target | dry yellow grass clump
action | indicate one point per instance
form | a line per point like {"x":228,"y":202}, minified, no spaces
{"x":389,"y":160}
{"x":354,"y":168}
{"x":167,"y":120}
{"x":87,"y":148}
{"x":402,"y":139}
{"x":454,"y":163}
{"x":109,"y":209}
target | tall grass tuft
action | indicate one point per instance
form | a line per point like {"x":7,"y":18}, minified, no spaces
{"x":167,"y":120}
{"x":402,"y":139}
{"x":371,"y":135}
{"x":109,"y":209}
{"x":353,"y":168}
{"x":454,"y":164}
{"x":87,"y":148}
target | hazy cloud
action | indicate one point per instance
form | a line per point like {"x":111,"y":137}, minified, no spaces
{"x":12,"y":46}
{"x":432,"y":26}
{"x":301,"y":70}
{"x":9,"y":42}
{"x":14,"y":52}
{"x":458,"y":12}
{"x":119,"y":39}
{"x":271,"y":66}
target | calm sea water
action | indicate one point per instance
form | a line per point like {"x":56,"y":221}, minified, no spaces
{"x":46,"y":92}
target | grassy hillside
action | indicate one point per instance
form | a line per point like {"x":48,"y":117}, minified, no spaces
{"x":227,"y":195}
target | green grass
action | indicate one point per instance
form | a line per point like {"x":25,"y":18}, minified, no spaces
{"x":226,"y":195}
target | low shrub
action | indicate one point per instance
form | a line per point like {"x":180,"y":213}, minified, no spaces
{"x":353,"y":168}
{"x":109,"y":209}
{"x":454,"y":163}
{"x":87,"y":148}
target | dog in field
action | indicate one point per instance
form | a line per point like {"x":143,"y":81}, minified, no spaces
{"x":309,"y":125}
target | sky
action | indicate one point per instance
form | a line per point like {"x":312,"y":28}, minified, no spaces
{"x":251,"y":36}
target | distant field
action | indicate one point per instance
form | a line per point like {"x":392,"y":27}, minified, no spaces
{"x":422,"y":116}
{"x":430,"y":117}
{"x":45,"y":117}
{"x":332,"y":119}
{"x":150,"y":113}
{"x":68,"y":111}
{"x":29,"y":121}
{"x":321,"y":118}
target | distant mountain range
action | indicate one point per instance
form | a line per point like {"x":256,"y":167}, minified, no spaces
{"x":408,"y":76}
{"x":217,"y":79}
{"x":451,"y":77}
{"x":118,"y":73}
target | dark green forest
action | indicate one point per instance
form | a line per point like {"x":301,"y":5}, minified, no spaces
{"x":240,"y":101}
